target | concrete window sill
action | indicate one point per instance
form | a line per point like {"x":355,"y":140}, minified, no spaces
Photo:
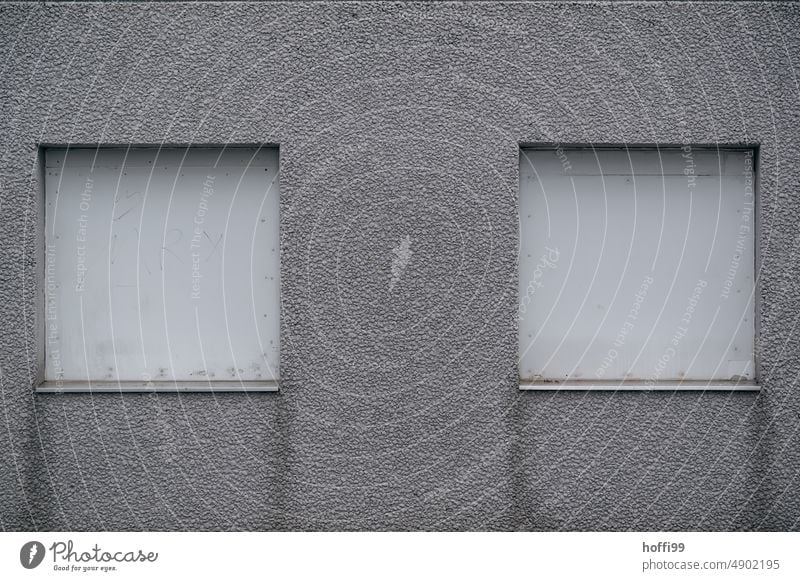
{"x":64,"y":387}
{"x":706,"y":385}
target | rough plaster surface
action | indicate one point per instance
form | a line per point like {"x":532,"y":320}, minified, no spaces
{"x":399,"y":408}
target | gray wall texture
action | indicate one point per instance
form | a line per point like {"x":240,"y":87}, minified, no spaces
{"x":400,"y":409}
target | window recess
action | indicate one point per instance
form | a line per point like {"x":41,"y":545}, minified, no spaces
{"x":636,"y":268}
{"x":161,"y":269}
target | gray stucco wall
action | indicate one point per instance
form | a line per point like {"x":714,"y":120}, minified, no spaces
{"x":400,"y":410}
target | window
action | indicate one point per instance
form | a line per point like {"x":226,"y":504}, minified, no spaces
{"x":636,"y":268}
{"x":161,"y":269}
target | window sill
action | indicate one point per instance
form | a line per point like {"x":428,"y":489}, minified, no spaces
{"x":63,"y":387}
{"x":703,"y":385}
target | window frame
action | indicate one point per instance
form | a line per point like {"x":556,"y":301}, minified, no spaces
{"x":41,"y":384}
{"x":753,"y":385}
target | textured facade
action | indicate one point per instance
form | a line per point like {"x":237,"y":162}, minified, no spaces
{"x":399,"y":405}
